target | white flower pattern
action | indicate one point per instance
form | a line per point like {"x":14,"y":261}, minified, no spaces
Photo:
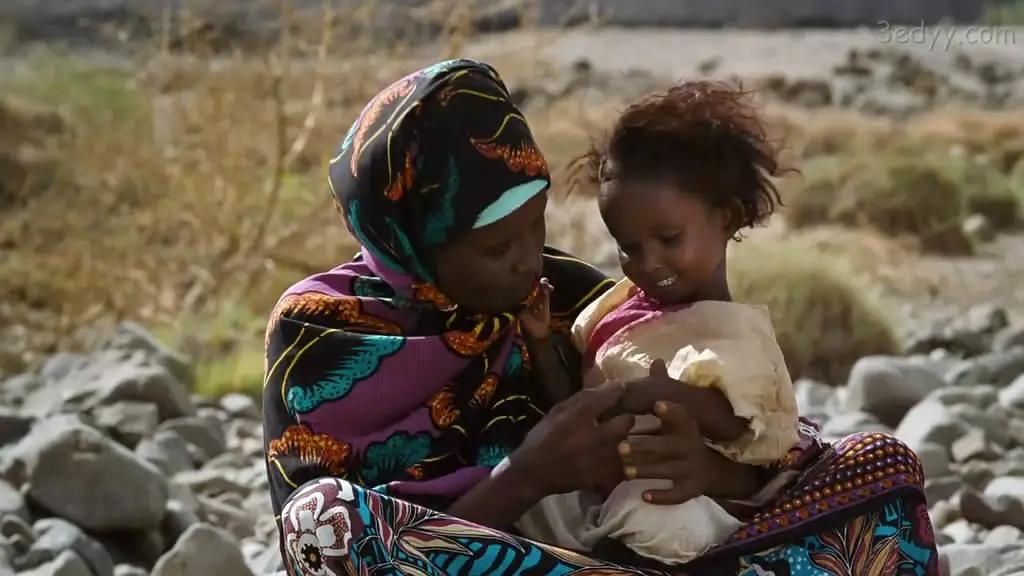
{"x":315,"y":534}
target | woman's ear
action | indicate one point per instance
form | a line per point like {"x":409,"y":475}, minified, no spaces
{"x":733,"y":215}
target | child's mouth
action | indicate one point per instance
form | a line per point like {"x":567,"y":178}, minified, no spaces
{"x":666,"y":282}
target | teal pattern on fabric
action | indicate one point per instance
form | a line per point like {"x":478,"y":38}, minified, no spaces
{"x":400,"y":451}
{"x":514,"y":363}
{"x":509,"y":202}
{"x":357,"y":230}
{"x":363,"y":360}
{"x":410,"y":254}
{"x":490,"y":455}
{"x":435,"y":229}
{"x":440,"y":67}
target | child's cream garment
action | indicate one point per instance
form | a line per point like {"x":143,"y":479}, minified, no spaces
{"x":726,"y":345}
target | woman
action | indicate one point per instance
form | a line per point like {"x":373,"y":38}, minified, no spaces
{"x":396,"y":382}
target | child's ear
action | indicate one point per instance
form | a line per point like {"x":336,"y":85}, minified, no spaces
{"x":733,"y":217}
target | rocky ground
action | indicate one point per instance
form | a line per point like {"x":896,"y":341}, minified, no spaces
{"x":109,"y":467}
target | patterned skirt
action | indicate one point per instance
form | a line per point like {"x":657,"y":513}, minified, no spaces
{"x":856,"y":509}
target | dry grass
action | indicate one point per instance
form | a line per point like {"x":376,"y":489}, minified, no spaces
{"x":822,"y":322}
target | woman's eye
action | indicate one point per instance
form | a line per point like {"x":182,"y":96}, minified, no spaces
{"x":498,"y":250}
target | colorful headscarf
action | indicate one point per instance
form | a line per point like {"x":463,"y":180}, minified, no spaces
{"x":372,"y":374}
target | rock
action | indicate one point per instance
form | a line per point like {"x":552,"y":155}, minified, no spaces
{"x":991,"y":511}
{"x":56,"y":535}
{"x":133,"y":337}
{"x":198,"y":432}
{"x":889,"y":387}
{"x":67,"y":564}
{"x":210,"y":483}
{"x":178,"y":519}
{"x":964,"y":556}
{"x":1012,"y":337}
{"x":1015,"y":431}
{"x":166,"y":450}
{"x":13,"y":427}
{"x":129,"y":570}
{"x":233,"y":519}
{"x":76,"y":473}
{"x":976,"y":473}
{"x":1002,"y":536}
{"x":1006,"y":486}
{"x":139,"y":548}
{"x":203,"y":550}
{"x":979,"y":229}
{"x":992,"y":421}
{"x":943,"y":513}
{"x":17,"y":533}
{"x":240,"y":406}
{"x":852,"y":423}
{"x":981,"y":396}
{"x":128,"y":422}
{"x":935,"y":460}
{"x":930,"y":422}
{"x":1013,"y":395}
{"x":268,"y":561}
{"x":997,"y":368}
{"x":808,"y":93}
{"x":975,"y":445}
{"x":961,"y":532}
{"x":112,"y":376}
{"x":12,"y":502}
{"x":986,"y":318}
{"x":58,"y":366}
{"x":944,"y":488}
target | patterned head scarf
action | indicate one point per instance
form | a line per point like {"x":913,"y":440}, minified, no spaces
{"x":371,"y":375}
{"x":436,"y":154}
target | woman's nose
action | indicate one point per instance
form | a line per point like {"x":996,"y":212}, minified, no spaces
{"x":529,"y":260}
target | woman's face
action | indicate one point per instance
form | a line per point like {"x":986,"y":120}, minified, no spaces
{"x":494,"y":268}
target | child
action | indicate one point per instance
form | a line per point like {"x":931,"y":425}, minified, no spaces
{"x":681,"y":174}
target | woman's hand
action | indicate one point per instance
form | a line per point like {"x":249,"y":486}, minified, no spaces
{"x":569,"y":449}
{"x":678,"y":451}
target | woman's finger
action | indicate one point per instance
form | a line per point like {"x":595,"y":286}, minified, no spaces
{"x":676,"y":421}
{"x":645,"y":449}
{"x":615,"y":431}
{"x":674,"y":470}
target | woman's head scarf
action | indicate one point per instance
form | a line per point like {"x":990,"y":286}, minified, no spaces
{"x":372,"y":375}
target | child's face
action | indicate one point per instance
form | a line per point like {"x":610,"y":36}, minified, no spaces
{"x":671,"y":243}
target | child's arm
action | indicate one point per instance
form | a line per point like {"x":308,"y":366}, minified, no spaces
{"x":547,"y":363}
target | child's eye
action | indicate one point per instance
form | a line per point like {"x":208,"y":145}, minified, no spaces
{"x":671,"y":239}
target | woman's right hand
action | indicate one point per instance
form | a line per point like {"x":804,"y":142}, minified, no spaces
{"x":570,"y":449}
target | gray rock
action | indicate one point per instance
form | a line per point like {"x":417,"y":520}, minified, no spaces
{"x":1009,"y":338}
{"x":964,"y":556}
{"x":852,"y":423}
{"x":139,"y":548}
{"x":178,"y":519}
{"x":240,"y":406}
{"x":268,"y":561}
{"x":1015,"y":431}
{"x":979,"y":229}
{"x":961,"y":532}
{"x":231,"y":518}
{"x":1013,"y":395}
{"x":13,"y":427}
{"x":938,"y":489}
{"x":976,"y":473}
{"x":128,"y":422}
{"x":166,"y":450}
{"x":205,"y":435}
{"x":18,"y":535}
{"x":56,"y":535}
{"x":930,"y":422}
{"x":981,"y":396}
{"x":133,"y":337}
{"x":58,"y":366}
{"x":1012,"y":487}
{"x":997,"y":368}
{"x":935,"y":460}
{"x":943,"y":513}
{"x":986,"y":318}
{"x":991,"y":511}
{"x":1002,"y":536}
{"x":889,"y":387}
{"x":112,"y":376}
{"x":12,"y":502}
{"x":975,"y":445}
{"x":203,"y":550}
{"x":992,"y":421}
{"x":210,"y":483}
{"x":129,"y":570}
{"x":78,"y":474}
{"x":66,"y":564}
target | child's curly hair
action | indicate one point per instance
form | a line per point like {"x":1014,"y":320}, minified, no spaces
{"x":705,"y":137}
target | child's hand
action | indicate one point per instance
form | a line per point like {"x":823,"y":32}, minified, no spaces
{"x":535,"y":319}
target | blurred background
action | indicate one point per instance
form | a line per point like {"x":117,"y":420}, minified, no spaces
{"x":163,"y":163}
